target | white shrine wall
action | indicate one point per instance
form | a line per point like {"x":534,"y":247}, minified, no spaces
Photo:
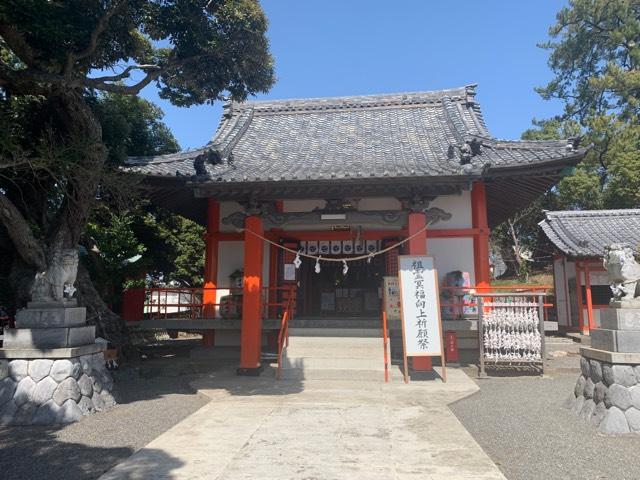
{"x":452,"y":254}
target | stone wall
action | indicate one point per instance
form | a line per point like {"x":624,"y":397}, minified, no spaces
{"x":608,"y":396}
{"x":50,"y":391}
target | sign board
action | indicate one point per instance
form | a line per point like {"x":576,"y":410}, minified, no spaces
{"x":391,"y":296}
{"x":421,"y":325}
{"x":289,"y":272}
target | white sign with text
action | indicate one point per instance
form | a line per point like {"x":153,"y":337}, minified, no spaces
{"x":420,"y":306}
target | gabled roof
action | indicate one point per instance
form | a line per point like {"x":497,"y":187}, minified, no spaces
{"x":394,"y":135}
{"x":586,"y":233}
{"x":404,"y":144}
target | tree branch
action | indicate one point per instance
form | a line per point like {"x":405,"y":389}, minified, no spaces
{"x":72,"y":58}
{"x":125,"y":73}
{"x":21,"y":235}
{"x":16,"y":42}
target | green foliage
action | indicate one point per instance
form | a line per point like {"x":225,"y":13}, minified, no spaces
{"x":595,"y":58}
{"x":192,"y":49}
{"x":132,"y":126}
{"x":175,"y":247}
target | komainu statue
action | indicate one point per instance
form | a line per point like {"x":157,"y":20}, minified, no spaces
{"x":50,"y":284}
{"x":624,"y":272}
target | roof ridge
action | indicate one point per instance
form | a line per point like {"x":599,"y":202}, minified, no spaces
{"x":465,"y":93}
{"x":592,"y":213}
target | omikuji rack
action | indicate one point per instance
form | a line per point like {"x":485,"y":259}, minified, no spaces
{"x":525,"y":310}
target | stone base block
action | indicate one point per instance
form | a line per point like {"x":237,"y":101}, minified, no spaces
{"x":607,"y":396}
{"x":54,"y":353}
{"x":51,"y":317}
{"x":620,"y":318}
{"x":30,"y":338}
{"x":606,"y":356}
{"x":50,"y":392}
{"x":616,"y":340}
{"x":66,"y":303}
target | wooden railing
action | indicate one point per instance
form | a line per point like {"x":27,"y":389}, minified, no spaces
{"x":283,"y":335}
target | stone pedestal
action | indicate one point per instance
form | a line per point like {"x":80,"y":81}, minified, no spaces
{"x":51,"y":369}
{"x":607,"y":394}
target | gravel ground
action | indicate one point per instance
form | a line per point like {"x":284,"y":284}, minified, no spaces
{"x":521,"y":424}
{"x":87,"y":449}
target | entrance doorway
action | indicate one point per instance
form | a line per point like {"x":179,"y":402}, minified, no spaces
{"x":331,"y":294}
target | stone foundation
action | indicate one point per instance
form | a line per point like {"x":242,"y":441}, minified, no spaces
{"x":49,"y":391}
{"x":607,"y":395}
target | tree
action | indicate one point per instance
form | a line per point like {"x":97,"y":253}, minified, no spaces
{"x":55,"y":59}
{"x":595,"y":58}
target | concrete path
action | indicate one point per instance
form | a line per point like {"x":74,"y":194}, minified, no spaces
{"x":258,"y":428}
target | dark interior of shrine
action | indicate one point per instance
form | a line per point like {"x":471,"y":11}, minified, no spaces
{"x":332,"y":294}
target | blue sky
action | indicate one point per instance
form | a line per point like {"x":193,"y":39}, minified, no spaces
{"x":353,"y":47}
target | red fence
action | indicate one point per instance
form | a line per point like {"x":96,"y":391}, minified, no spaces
{"x":461,"y":302}
{"x":195,"y":303}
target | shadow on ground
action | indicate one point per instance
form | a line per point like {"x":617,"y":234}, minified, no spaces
{"x":36,"y":453}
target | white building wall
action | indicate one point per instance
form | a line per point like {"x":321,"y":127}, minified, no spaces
{"x":379,"y":203}
{"x":459,"y":206}
{"x":226,"y":209}
{"x":302,"y":205}
{"x":452,"y":254}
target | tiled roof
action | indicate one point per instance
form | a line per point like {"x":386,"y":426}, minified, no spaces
{"x":428,"y":134}
{"x":586,"y":233}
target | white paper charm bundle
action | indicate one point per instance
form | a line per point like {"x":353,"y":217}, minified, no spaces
{"x":511,"y":332}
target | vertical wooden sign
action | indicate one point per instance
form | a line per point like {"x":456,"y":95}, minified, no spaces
{"x":420,"y":305}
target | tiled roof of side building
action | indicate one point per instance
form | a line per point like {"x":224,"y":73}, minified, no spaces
{"x":586,"y":233}
{"x":425,"y":134}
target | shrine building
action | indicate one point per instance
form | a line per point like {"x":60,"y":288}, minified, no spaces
{"x":581,"y":282}
{"x":342,"y":177}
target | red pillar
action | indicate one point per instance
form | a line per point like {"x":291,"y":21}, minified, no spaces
{"x":587,"y":287}
{"x":480,"y":239}
{"x":210,"y":268}
{"x":584,"y":329}
{"x":418,"y":246}
{"x":251,"y":334}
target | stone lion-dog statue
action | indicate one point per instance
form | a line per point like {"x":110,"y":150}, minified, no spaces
{"x":50,"y":285}
{"x":624,"y":272}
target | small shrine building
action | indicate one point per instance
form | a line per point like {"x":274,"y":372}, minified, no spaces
{"x":581,"y":281}
{"x":347,"y":176}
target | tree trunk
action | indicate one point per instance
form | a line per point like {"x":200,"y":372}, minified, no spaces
{"x":83,"y":138}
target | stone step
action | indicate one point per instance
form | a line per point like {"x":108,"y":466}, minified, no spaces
{"x":330,"y":351}
{"x":335,"y":332}
{"x":336,"y":323}
{"x":315,"y":363}
{"x":368,"y":375}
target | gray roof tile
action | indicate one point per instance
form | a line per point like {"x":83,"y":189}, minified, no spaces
{"x":376,"y":136}
{"x":586,"y":233}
